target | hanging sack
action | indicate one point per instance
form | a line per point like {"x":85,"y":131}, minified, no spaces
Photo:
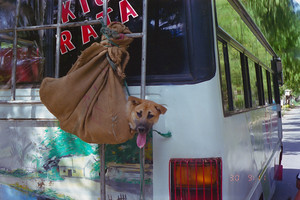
{"x":90,"y":101}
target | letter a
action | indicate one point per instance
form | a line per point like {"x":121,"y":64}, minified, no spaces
{"x":126,"y":10}
{"x":87,"y":31}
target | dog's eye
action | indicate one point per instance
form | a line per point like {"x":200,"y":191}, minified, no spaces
{"x":139,"y":114}
{"x":150,"y":115}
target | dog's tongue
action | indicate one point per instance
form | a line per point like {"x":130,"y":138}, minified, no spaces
{"x":141,"y":140}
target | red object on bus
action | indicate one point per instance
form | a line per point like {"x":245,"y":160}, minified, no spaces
{"x":28,"y":62}
{"x":195,"y":179}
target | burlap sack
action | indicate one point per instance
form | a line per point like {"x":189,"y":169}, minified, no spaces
{"x":90,"y":101}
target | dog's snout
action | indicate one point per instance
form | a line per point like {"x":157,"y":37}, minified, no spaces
{"x":141,"y":129}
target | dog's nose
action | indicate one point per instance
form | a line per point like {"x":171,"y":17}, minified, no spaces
{"x":141,"y":129}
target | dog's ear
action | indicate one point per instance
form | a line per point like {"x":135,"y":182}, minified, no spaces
{"x":160,"y":109}
{"x":134,"y":100}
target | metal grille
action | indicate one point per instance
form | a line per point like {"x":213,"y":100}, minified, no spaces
{"x":195,"y":179}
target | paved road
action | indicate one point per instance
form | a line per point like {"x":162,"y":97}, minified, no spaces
{"x":286,"y":188}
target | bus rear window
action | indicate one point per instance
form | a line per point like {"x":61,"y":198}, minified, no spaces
{"x":180,"y":41}
{"x":179,"y":46}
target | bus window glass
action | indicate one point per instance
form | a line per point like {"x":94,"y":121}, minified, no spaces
{"x":223,"y":77}
{"x":7,"y":14}
{"x":265,"y":85}
{"x":272,"y":88}
{"x":166,"y":40}
{"x":231,"y":22}
{"x":29,"y":62}
{"x":270,"y":100}
{"x":236,"y":78}
{"x":253,"y":84}
{"x":30,"y":46}
{"x":34,"y":13}
{"x":174,"y":55}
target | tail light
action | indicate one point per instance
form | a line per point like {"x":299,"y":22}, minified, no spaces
{"x":195,"y":179}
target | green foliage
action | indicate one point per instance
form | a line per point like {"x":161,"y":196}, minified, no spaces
{"x":280,"y":24}
{"x":54,"y":195}
{"x":127,"y":152}
{"x":63,"y":144}
{"x":53,"y":175}
{"x":19,"y":173}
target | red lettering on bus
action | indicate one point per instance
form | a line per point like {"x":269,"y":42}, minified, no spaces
{"x":86,"y":32}
{"x":66,"y":42}
{"x":100,"y":15}
{"x":66,"y":12}
{"x":99,"y":2}
{"x":126,"y":10}
{"x":85,"y":6}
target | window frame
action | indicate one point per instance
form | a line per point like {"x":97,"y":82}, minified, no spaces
{"x":226,"y":40}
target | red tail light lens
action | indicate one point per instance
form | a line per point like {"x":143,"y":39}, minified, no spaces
{"x":196,"y":179}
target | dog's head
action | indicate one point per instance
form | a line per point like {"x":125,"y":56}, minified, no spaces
{"x":142,"y":114}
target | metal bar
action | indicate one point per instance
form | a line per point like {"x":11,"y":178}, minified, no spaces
{"x":67,"y":25}
{"x":15,"y":52}
{"x":135,"y":35}
{"x":52,"y":26}
{"x":105,"y":12}
{"x":102,"y":154}
{"x":142,"y":173}
{"x":58,"y":35}
{"x":21,"y":102}
{"x":144,"y":49}
{"x":20,"y":41}
{"x":102,"y":171}
{"x":143,"y":94}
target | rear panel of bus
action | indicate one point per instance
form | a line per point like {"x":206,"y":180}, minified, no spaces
{"x":225,"y":124}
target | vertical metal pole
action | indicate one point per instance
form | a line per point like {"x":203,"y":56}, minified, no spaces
{"x":15,"y":52}
{"x":143,"y":94}
{"x":102,"y":147}
{"x":105,"y":12}
{"x":58,"y":35}
{"x":144,"y":49}
{"x":102,"y":172}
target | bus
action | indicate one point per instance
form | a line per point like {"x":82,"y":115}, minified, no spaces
{"x":206,"y":61}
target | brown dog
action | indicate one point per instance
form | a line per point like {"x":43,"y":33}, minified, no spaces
{"x":142,"y":114}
